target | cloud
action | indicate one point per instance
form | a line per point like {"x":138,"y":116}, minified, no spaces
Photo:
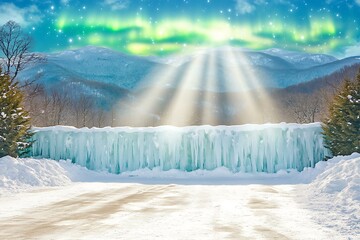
{"x":65,"y":2}
{"x":23,"y":16}
{"x":117,"y":4}
{"x":352,"y":50}
{"x":243,"y":7}
{"x":246,"y":6}
{"x":350,"y":4}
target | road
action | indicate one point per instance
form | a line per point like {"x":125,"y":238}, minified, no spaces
{"x":138,"y":211}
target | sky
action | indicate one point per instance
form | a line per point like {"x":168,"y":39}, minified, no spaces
{"x":164,"y":27}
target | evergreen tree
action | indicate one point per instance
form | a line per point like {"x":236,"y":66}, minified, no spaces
{"x":15,"y":133}
{"x":342,"y":128}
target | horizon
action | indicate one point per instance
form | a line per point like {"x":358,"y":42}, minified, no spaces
{"x":195,"y":51}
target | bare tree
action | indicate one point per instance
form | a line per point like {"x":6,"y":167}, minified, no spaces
{"x":83,"y":106}
{"x":15,"y":50}
{"x":60,"y":102}
{"x":113,"y":115}
{"x":30,"y":93}
{"x":46,"y":109}
{"x":303,"y":107}
{"x":32,"y":103}
{"x":98,"y":117}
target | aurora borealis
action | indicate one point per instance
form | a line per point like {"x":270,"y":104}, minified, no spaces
{"x":162,"y":27}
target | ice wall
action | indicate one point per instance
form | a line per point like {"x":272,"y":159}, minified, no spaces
{"x":246,"y":148}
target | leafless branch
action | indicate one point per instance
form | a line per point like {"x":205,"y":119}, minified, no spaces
{"x":15,"y":50}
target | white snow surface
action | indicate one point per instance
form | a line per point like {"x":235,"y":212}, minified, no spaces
{"x":339,"y":176}
{"x":18,"y":174}
{"x":329,"y":194}
{"x":335,"y":192}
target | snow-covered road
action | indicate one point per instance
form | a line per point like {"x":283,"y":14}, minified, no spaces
{"x":137,"y":211}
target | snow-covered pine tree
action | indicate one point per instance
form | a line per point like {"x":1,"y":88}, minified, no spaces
{"x":342,"y":128}
{"x":15,"y":132}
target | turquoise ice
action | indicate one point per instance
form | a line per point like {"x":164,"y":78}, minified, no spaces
{"x":246,"y":148}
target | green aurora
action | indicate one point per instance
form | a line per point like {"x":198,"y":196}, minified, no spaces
{"x":164,"y":27}
{"x":140,"y":37}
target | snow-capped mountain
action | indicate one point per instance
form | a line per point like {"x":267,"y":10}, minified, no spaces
{"x":92,"y":64}
{"x":301,"y":60}
{"x":298,"y":60}
{"x":273,"y":68}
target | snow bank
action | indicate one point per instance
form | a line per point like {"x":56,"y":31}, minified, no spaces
{"x":22,"y":174}
{"x":17,"y":175}
{"x":218,"y":176}
{"x":338,"y":176}
{"x":341,"y":178}
{"x":335,"y":192}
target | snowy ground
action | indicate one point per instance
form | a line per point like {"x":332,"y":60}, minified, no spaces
{"x":320,"y":203}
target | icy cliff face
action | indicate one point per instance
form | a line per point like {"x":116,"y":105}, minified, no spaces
{"x":247,"y":148}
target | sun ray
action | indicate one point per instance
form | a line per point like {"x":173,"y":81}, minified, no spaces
{"x":182,"y":110}
{"x":151,"y":98}
{"x":237,"y":82}
{"x":215,"y":86}
{"x":249,"y":97}
{"x":208,"y":108}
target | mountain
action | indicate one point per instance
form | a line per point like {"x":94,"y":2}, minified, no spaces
{"x":298,"y":60}
{"x":273,"y":68}
{"x":94,"y":64}
{"x":301,"y":60}
{"x":229,"y":69}
{"x":206,"y":87}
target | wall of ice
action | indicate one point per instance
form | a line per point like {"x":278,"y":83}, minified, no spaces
{"x":246,"y":148}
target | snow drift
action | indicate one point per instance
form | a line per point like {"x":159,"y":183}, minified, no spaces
{"x":341,"y":178}
{"x":335,"y":194}
{"x":247,"y":148}
{"x":20,"y":174}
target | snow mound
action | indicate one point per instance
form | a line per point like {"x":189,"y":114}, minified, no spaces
{"x":22,"y":174}
{"x":340,"y":177}
{"x":336,"y":193}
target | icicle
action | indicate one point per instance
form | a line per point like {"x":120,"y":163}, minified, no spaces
{"x":247,"y":148}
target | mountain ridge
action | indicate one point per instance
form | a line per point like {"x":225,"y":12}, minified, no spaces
{"x":273,"y":68}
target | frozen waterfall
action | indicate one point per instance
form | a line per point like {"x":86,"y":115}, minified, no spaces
{"x":246,"y":148}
